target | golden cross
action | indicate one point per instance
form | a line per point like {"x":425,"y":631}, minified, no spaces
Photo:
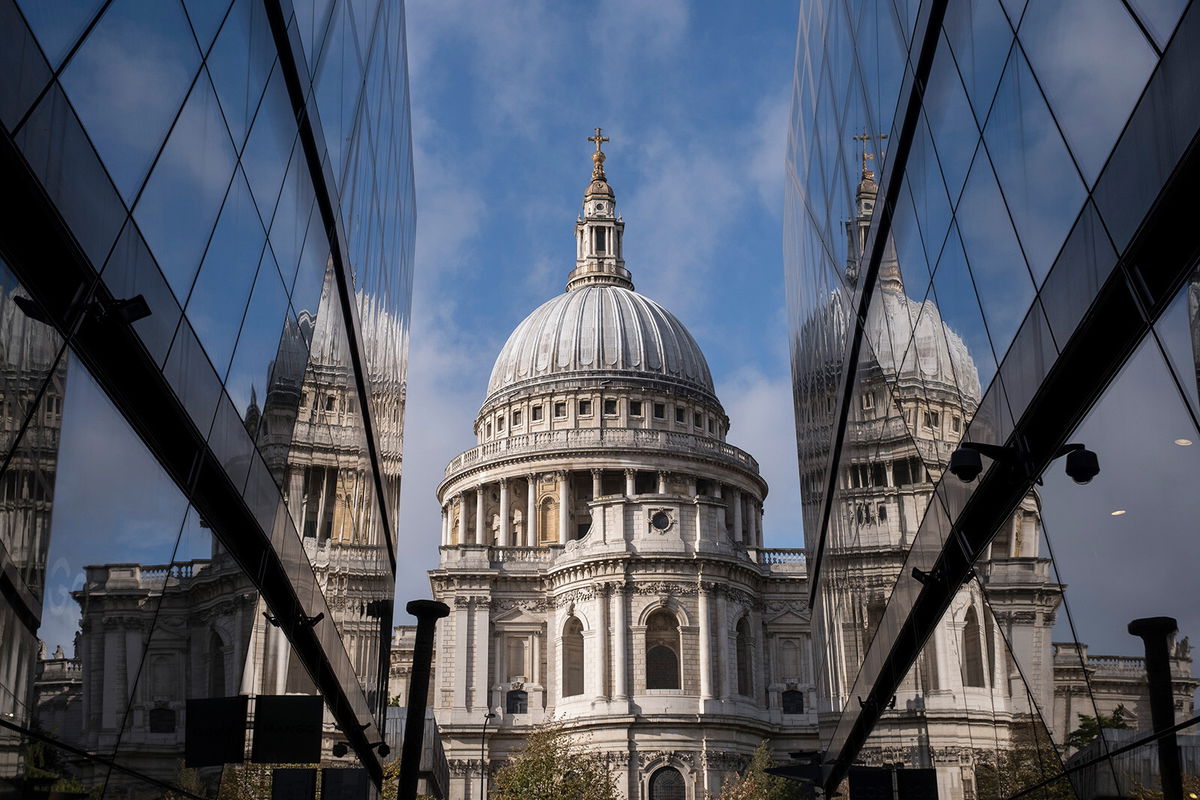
{"x":598,"y":139}
{"x":865,"y":137}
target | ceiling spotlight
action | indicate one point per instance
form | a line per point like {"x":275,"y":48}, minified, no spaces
{"x":1184,"y":442}
{"x":1120,"y":512}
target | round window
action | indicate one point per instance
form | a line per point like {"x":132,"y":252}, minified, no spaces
{"x":660,"y":520}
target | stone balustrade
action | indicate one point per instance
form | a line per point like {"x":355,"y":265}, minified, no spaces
{"x":143,"y":575}
{"x":521,"y":555}
{"x":1018,"y":570}
{"x":786,"y":555}
{"x":611,"y":439}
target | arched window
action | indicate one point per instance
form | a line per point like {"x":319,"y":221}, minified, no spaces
{"x":216,"y":665}
{"x":667,"y":784}
{"x":548,"y":522}
{"x":516,"y":702}
{"x":662,"y":651}
{"x":972,"y":652}
{"x":793,"y":702}
{"x":572,"y":644}
{"x":745,"y":682}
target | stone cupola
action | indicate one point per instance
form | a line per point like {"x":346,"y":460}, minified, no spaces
{"x":598,"y":232}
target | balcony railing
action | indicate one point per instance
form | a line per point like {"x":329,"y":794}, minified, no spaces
{"x":521,"y":555}
{"x":614,"y":438}
{"x":790,"y":555}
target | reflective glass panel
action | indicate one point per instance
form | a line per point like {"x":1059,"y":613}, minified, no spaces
{"x":59,"y":25}
{"x":179,"y":206}
{"x":128,"y":97}
{"x":1092,"y":62}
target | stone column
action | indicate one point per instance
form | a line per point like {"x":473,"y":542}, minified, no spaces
{"x":706,"y":676}
{"x":564,"y":505}
{"x":693,"y":488}
{"x":751,"y":520}
{"x":597,"y":483}
{"x":630,"y":482}
{"x":505,"y":522}
{"x":479,"y":521}
{"x":531,"y":538}
{"x":722,"y":629}
{"x":602,"y":641}
{"x":282,"y":649}
{"x":760,"y":679}
{"x":483,"y":640}
{"x":736,"y":499}
{"x":462,"y":518}
{"x":445,"y":525}
{"x":620,"y":627}
{"x":662,"y":483}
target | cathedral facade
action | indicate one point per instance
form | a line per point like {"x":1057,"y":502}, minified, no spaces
{"x":602,"y":550}
{"x":604,"y":560}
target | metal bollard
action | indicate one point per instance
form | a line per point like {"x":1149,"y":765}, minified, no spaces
{"x":1156,"y":633}
{"x":427,"y":612}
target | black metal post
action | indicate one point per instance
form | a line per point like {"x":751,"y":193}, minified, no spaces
{"x":1157,"y":633}
{"x":427,"y":612}
{"x":482,"y":760}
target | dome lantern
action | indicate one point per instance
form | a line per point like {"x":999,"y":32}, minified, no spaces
{"x":598,"y":232}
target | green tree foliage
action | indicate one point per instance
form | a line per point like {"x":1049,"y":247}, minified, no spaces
{"x":1090,"y":727}
{"x":756,"y":784}
{"x":1191,"y":789}
{"x":554,"y":766}
{"x":46,"y":772}
{"x":391,"y":778}
{"x":1029,"y":759}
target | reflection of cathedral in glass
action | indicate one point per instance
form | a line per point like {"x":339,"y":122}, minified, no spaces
{"x":990,"y":673}
{"x":32,"y":384}
{"x":210,"y":636}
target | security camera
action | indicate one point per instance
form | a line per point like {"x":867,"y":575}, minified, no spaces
{"x":1082,"y":465}
{"x":966,"y":464}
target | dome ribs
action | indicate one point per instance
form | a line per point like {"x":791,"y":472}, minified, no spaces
{"x":600,"y":331}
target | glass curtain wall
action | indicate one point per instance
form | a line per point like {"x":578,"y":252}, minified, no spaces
{"x":970,"y":185}
{"x":264,"y":374}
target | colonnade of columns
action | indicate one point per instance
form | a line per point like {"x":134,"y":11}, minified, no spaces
{"x":745,"y":527}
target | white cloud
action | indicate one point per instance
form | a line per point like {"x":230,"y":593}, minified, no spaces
{"x":767,"y":151}
{"x":759,"y":405}
{"x":515,"y":47}
{"x":444,"y":372}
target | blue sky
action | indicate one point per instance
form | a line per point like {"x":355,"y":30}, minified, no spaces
{"x":695,"y":98}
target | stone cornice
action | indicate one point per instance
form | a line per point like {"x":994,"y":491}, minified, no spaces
{"x":601,"y":443}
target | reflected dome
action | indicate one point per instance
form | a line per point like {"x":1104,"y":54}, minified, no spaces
{"x":937,"y":354}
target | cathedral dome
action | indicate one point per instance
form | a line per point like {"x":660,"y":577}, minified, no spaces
{"x":937,"y":355}
{"x":600,"y":331}
{"x":600,"y":328}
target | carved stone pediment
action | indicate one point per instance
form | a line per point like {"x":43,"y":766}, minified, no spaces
{"x":518,"y":614}
{"x":788,"y":617}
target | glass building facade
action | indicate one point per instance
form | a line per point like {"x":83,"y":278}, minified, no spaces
{"x":205,"y":285}
{"x":989,"y":239}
